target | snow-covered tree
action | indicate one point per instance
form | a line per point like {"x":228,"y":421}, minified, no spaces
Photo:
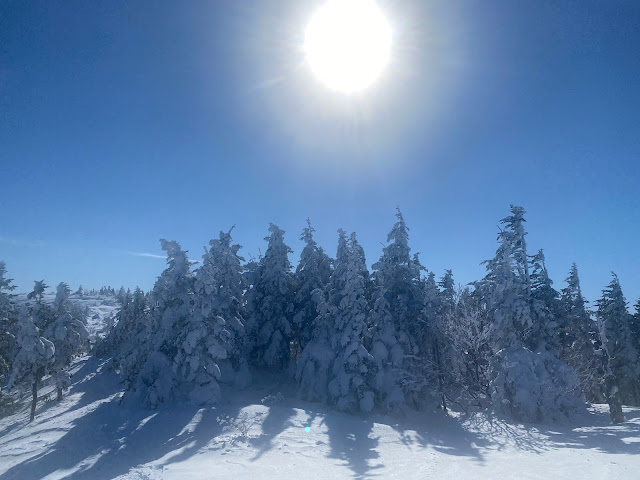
{"x":7,"y":321}
{"x":271,"y":305}
{"x":467,"y":332}
{"x":577,"y":337}
{"x":520,"y":320}
{"x":42,"y":313}
{"x":534,"y":386}
{"x":352,"y":384}
{"x":614,"y":321}
{"x":171,"y":308}
{"x":335,"y":365}
{"x":313,"y":271}
{"x":219,"y":305}
{"x":68,"y":334}
{"x":506,"y":288}
{"x":34,"y":358}
{"x":130,"y":338}
{"x":315,"y":365}
{"x":396,"y":318}
{"x":438,"y":350}
{"x":634,"y":327}
{"x":38,"y":291}
{"x":545,"y":308}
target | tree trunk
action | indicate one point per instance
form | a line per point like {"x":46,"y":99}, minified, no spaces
{"x":440,"y":374}
{"x":613,"y":397}
{"x":59,"y":393}
{"x":34,"y":390}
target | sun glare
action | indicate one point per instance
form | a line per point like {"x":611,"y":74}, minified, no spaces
{"x":347,"y":44}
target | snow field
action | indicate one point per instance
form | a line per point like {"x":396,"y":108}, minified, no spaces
{"x":260,"y":433}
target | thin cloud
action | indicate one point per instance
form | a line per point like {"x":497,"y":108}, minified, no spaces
{"x":21,"y":243}
{"x":145,"y":254}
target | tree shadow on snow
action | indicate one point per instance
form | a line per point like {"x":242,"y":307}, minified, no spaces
{"x":112,"y":439}
{"x":592,"y":431}
{"x":440,"y":432}
{"x":278,"y":419}
{"x":350,"y":440}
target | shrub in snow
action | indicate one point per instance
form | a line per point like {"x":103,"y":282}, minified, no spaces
{"x":466,"y":329}
{"x":534,"y":387}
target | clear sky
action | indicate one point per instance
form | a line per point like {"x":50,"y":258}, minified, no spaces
{"x":123,"y":122}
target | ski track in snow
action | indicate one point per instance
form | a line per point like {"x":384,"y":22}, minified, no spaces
{"x":91,"y":435}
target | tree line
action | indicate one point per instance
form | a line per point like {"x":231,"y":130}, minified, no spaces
{"x":395,"y":337}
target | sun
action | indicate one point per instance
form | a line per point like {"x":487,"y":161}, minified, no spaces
{"x":347,"y":44}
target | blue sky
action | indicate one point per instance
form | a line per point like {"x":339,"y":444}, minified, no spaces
{"x":124,"y":122}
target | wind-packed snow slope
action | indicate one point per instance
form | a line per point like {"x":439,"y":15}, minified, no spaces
{"x":261,"y":434}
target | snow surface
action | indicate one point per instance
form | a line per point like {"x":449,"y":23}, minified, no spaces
{"x":101,"y":308}
{"x":261,"y":434}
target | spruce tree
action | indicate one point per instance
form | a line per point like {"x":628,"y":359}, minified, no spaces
{"x":506,"y":287}
{"x":315,"y":365}
{"x":69,"y":336}
{"x":577,"y":336}
{"x":34,"y":358}
{"x":313,"y":271}
{"x":219,"y":289}
{"x":614,"y":321}
{"x":8,"y":321}
{"x":634,"y":327}
{"x":160,"y":359}
{"x":396,"y":318}
{"x":271,"y":306}
{"x":528,"y":385}
{"x":351,"y":386}
{"x":335,"y":366}
{"x":545,"y":308}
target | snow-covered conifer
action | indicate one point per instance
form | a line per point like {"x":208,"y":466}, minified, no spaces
{"x":520,"y":321}
{"x":34,"y":358}
{"x":506,"y":286}
{"x":219,"y":306}
{"x":271,"y":308}
{"x":335,"y":365}
{"x":68,"y":334}
{"x":352,"y":384}
{"x":313,"y":271}
{"x":42,"y":313}
{"x":171,"y":307}
{"x":614,"y":321}
{"x":545,"y":308}
{"x":577,"y":335}
{"x":396,"y":317}
{"x":534,"y":386}
{"x":634,"y":327}
{"x":8,"y":319}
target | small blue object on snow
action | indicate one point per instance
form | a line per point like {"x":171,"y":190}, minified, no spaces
{"x":307,"y":429}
